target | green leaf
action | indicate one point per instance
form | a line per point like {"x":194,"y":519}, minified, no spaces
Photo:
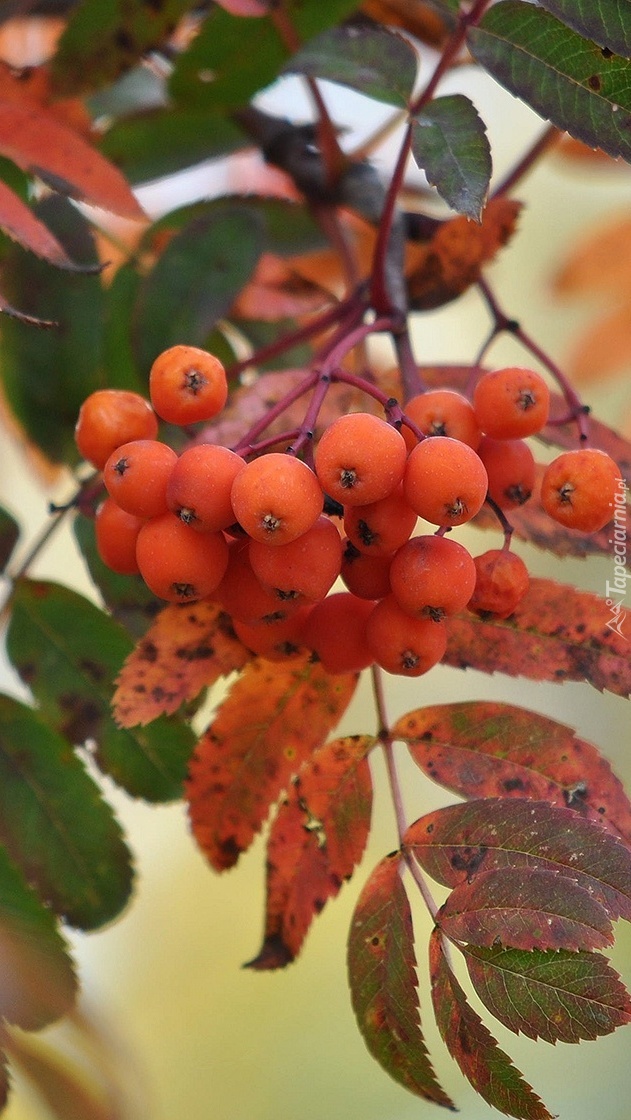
{"x":556,"y":995}
{"x":231,"y":59}
{"x":119,"y":361}
{"x":607,"y":22}
{"x":449,"y":144}
{"x":106,"y":37}
{"x":196,"y":279}
{"x":48,"y":374}
{"x":288,"y":227}
{"x":565,"y":78}
{"x":370,"y":59}
{"x":9,"y":534}
{"x":127,"y":598}
{"x":37,"y":979}
{"x":55,"y":824}
{"x":69,"y":653}
{"x":383,"y":982}
{"x":165,"y":141}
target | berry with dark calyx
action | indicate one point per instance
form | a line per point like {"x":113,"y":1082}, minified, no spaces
{"x":445,"y":481}
{"x":110,"y":417}
{"x":511,"y":403}
{"x":200,"y":486}
{"x":276,"y":498}
{"x":432,"y":577}
{"x":278,"y":640}
{"x":511,"y":470}
{"x":442,"y":412}
{"x":307,"y":566}
{"x":401,"y":644}
{"x":335,"y":630}
{"x":187,"y":385}
{"x":580,"y":488}
{"x":177,"y":563}
{"x":360,"y":459}
{"x":136,"y":476}
{"x":502,"y":580}
{"x":244,"y":597}
{"x":380,"y":527}
{"x":365,"y":575}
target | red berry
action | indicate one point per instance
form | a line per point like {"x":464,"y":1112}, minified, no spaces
{"x":511,"y":403}
{"x":445,"y":482}
{"x":432,"y":577}
{"x":276,"y":498}
{"x":403,"y":645}
{"x":187,"y":385}
{"x":359,"y":459}
{"x":501,"y":582}
{"x":177,"y":563}
{"x":580,"y":488}
{"x":110,"y":417}
{"x":136,"y":476}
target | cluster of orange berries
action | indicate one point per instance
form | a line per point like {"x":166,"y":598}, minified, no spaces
{"x":254,"y":536}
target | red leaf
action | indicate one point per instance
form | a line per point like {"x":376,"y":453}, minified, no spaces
{"x":540,"y":910}
{"x":316,"y":839}
{"x":19,"y":222}
{"x":556,"y":634}
{"x":275,"y":715}
{"x":555,"y":995}
{"x":383,"y":983}
{"x":454,"y":844}
{"x":473,"y":1047}
{"x":490,"y":749}
{"x":186,"y":649}
{"x":39,"y":143}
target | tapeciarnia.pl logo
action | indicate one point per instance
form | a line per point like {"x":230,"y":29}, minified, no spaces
{"x":616,"y":591}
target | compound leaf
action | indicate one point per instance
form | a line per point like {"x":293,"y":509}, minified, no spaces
{"x":540,"y":910}
{"x":557,"y":633}
{"x":68,"y":652}
{"x":456,"y":843}
{"x":316,"y":839}
{"x":473,"y":1047}
{"x":274,"y":717}
{"x":567,"y":79}
{"x":370,"y":59}
{"x":383,"y":982}
{"x":607,"y":22}
{"x":450,"y":145}
{"x":491,"y":749}
{"x":186,"y":649}
{"x":559,"y":996}
{"x":55,"y":825}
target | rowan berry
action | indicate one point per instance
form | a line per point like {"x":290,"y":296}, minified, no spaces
{"x":177,"y":563}
{"x":110,"y":417}
{"x":380,"y":527}
{"x":276,"y":498}
{"x":306,"y":567}
{"x":442,"y":412}
{"x":243,"y":596}
{"x":445,"y":482}
{"x":511,"y":403}
{"x":579,"y":489}
{"x":187,"y":385}
{"x":335,"y":630}
{"x":116,"y":535}
{"x":365,"y":575}
{"x":432,"y":577}
{"x":501,"y":582}
{"x":359,"y":459}
{"x":510,"y":466}
{"x":200,"y":485}
{"x":136,"y":476}
{"x":401,"y":644}
{"x":278,"y":640}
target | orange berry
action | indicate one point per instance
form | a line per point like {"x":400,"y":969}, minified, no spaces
{"x":110,"y":417}
{"x":276,"y":498}
{"x":502,"y":580}
{"x":200,"y":485}
{"x":335,"y":629}
{"x":445,"y":482}
{"x":580,"y":488}
{"x":401,"y":644}
{"x":136,"y":476}
{"x":278,"y":640}
{"x":187,"y":385}
{"x":365,"y":575}
{"x":307,"y":566}
{"x":116,"y":536}
{"x":380,"y":527}
{"x":510,"y":466}
{"x":511,"y":403}
{"x":177,"y":563}
{"x":432,"y":577}
{"x":359,"y":459}
{"x":243,"y":596}
{"x":442,"y":412}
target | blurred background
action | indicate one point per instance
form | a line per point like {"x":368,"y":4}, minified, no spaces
{"x":185,"y":1031}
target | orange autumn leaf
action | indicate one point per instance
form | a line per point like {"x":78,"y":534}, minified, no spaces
{"x":277,"y":291}
{"x":444,"y":267}
{"x":275,"y":715}
{"x":412,"y":15}
{"x":186,"y":649}
{"x":316,"y":839}
{"x":556,"y":633}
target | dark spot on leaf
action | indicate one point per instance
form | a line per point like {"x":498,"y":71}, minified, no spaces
{"x":92,"y":669}
{"x":148,"y":651}
{"x":594,"y":82}
{"x":124,"y":40}
{"x":606,"y":53}
{"x":83,"y":717}
{"x":468,"y":860}
{"x":28,"y":671}
{"x":195,"y":653}
{"x":513,"y":783}
{"x":575,"y":794}
{"x":229,"y":852}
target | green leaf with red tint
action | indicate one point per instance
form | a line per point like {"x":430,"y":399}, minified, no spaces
{"x":555,"y":995}
{"x":275,"y":715}
{"x":316,"y":839}
{"x":68,"y":652}
{"x":450,"y":145}
{"x":22,"y":225}
{"x":370,"y":59}
{"x":55,"y":825}
{"x":473,"y":1047}
{"x":491,"y":749}
{"x":556,"y":633}
{"x":540,"y":910}
{"x":383,"y":982}
{"x":608,"y":22}
{"x":458,"y":842}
